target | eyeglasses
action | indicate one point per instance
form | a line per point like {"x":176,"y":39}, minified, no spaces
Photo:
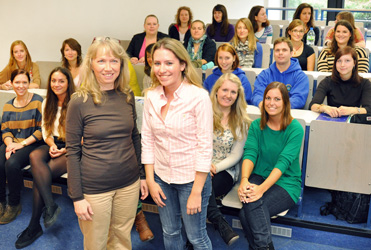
{"x":105,"y":38}
{"x":298,"y":31}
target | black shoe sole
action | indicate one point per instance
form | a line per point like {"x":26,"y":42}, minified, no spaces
{"x":53,"y":219}
{"x":27,"y":243}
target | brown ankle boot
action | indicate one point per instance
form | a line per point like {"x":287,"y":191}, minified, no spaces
{"x":141,"y":225}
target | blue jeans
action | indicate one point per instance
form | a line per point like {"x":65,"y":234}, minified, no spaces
{"x":176,"y":209}
{"x":255,"y":216}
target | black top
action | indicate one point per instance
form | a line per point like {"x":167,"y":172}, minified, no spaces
{"x":174,"y":33}
{"x":208,"y":50}
{"x":307,"y":52}
{"x":137,"y":41}
{"x":343,"y":94}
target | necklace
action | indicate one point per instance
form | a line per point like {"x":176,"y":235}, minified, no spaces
{"x":21,"y":113}
{"x":297,"y":49}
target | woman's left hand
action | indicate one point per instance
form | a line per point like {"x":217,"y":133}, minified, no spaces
{"x":194,"y":203}
{"x":12,"y":148}
{"x":56,"y":152}
{"x":143,"y":189}
{"x":347,"y":110}
{"x":141,"y":60}
{"x":254,"y":193}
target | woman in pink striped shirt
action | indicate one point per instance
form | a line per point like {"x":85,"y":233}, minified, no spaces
{"x":177,"y":135}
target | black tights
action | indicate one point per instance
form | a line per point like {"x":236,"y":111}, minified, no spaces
{"x":44,"y":169}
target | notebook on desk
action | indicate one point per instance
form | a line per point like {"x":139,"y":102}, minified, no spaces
{"x":326,"y":117}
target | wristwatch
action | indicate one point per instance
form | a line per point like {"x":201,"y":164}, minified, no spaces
{"x":359,"y":110}
{"x":24,"y":143}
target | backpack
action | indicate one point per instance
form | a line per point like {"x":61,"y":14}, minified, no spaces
{"x":348,"y":206}
{"x":360,"y":118}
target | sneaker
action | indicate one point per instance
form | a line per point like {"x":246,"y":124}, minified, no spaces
{"x":28,"y":236}
{"x":2,"y":208}
{"x":51,"y":214}
{"x":11,"y":212}
{"x":226,"y":232}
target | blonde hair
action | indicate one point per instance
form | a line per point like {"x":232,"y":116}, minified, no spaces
{"x":250,"y":36}
{"x":13,"y":62}
{"x":238,"y":119}
{"x":90,"y":85}
{"x":180,"y":52}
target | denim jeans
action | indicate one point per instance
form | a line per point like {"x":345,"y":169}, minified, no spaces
{"x":176,"y":209}
{"x":256,"y":216}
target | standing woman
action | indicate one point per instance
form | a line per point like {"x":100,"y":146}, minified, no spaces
{"x":258,"y":18}
{"x":344,"y":36}
{"x":200,"y":48}
{"x":177,"y":145}
{"x":249,"y":50}
{"x":49,"y":161}
{"x":231,"y":124}
{"x":71,"y":59}
{"x":21,"y":131}
{"x":139,"y":42}
{"x":301,"y":51}
{"x":181,"y":30}
{"x":227,"y":61}
{"x":220,"y":30}
{"x":20,"y":58}
{"x":347,"y":93}
{"x":103,"y":172}
{"x":271,"y":175}
{"x":305,"y":13}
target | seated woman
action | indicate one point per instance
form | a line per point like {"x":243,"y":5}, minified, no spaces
{"x":271,"y":175}
{"x":344,"y":36}
{"x":147,"y":81}
{"x":20,"y":58}
{"x":49,"y":161}
{"x":227,"y":61}
{"x":231,"y":124}
{"x":21,"y":131}
{"x":305,"y":13}
{"x":358,"y":36}
{"x":220,"y":30}
{"x":258,"y":18}
{"x":140,"y":41}
{"x":181,"y":30}
{"x":301,"y":51}
{"x":347,"y":93}
{"x":72,"y":58}
{"x":200,"y":48}
{"x":249,"y":50}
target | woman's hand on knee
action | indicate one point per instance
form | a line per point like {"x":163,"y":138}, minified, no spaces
{"x":83,"y":209}
{"x":156,"y":193}
{"x":194,"y":203}
{"x":254,"y":193}
{"x":243,"y":190}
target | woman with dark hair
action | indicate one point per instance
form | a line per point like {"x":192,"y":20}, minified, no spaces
{"x":49,"y":161}
{"x":20,"y":58}
{"x":181,"y":29}
{"x":249,"y":50}
{"x":200,"y":48}
{"x":227,"y":61}
{"x":344,"y":36}
{"x":21,"y":131}
{"x":231,"y":124}
{"x":347,"y":93}
{"x":271,"y":175}
{"x":305,"y":13}
{"x":301,"y":51}
{"x":220,"y":30}
{"x":258,"y":18}
{"x":72,"y":58}
{"x":139,"y":42}
{"x":147,"y":81}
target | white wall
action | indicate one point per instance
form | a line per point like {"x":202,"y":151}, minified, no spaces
{"x":44,"y":24}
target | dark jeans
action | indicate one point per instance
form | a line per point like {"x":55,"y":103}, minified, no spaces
{"x":11,"y":170}
{"x":256,"y":216}
{"x":222,"y":183}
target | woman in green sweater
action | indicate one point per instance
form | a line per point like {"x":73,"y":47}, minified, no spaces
{"x":271,"y":175}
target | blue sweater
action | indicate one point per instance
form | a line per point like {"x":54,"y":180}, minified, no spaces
{"x":211,"y":79}
{"x":296,"y":81}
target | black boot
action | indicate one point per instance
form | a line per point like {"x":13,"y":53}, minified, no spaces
{"x":226,"y":232}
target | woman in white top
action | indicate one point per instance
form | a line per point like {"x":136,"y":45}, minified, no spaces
{"x":71,"y":58}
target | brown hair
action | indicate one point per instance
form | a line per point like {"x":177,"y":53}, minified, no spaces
{"x":298,"y":11}
{"x":286,"y":117}
{"x":348,"y":16}
{"x":283,"y":40}
{"x":13,"y":62}
{"x":334,"y":45}
{"x":253,"y":13}
{"x":355,"y":78}
{"x":250,"y":36}
{"x":225,"y":22}
{"x":294,"y":23}
{"x":228,"y":48}
{"x":74,"y":45}
{"x":20,"y":72}
{"x":51,"y":106}
{"x":177,"y":16}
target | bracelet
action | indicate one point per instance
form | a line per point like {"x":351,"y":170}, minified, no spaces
{"x":24,"y":143}
{"x":359,"y":110}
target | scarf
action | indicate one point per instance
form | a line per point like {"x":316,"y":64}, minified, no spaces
{"x":191,"y":49}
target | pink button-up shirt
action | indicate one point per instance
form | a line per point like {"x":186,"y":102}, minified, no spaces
{"x":181,"y":144}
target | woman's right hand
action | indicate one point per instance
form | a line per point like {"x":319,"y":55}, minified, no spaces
{"x":6,"y":85}
{"x":331,"y":111}
{"x":242,"y":190}
{"x":83,"y":209}
{"x":212,"y":170}
{"x":156,"y":193}
{"x":134,"y":60}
